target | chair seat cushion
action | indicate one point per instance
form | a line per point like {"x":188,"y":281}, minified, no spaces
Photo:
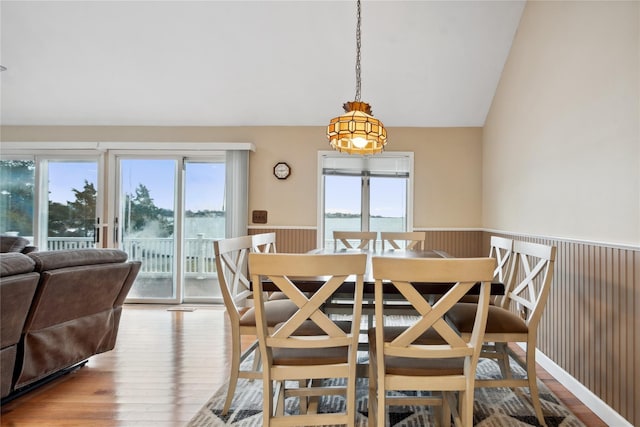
{"x":312,"y":356}
{"x":309,"y":327}
{"x":276,"y":311}
{"x":499,"y":320}
{"x":416,"y":366}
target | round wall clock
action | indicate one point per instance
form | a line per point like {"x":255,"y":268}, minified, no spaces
{"x":281,"y":170}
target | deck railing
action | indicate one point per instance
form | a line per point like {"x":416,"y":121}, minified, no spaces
{"x":156,"y":254}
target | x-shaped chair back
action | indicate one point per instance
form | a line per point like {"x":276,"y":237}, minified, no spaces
{"x":355,"y":239}
{"x":333,"y":270}
{"x":531,"y":274}
{"x":264,"y":243}
{"x":463,"y":273}
{"x":409,"y":240}
{"x":501,"y":249}
{"x":231,"y":265}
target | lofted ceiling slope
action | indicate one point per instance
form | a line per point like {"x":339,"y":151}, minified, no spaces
{"x":250,"y":63}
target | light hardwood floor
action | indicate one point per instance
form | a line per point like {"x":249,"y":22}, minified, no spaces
{"x":165,"y":366}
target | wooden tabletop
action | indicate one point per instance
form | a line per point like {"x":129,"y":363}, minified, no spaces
{"x":311,"y":284}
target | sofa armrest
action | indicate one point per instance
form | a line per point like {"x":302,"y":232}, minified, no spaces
{"x":53,"y":260}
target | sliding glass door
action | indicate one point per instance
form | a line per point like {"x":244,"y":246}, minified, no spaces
{"x":69,"y":204}
{"x":146,"y":224}
{"x":164,"y":204}
{"x":204,"y":222}
{"x":170,"y":210}
{"x":51,"y":201}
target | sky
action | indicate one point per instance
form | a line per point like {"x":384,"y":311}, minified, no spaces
{"x":204,"y":185}
{"x":205,"y":189}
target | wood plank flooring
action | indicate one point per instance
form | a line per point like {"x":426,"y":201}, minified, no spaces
{"x":165,"y":366}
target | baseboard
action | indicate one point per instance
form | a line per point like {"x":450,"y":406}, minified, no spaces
{"x":582,"y":393}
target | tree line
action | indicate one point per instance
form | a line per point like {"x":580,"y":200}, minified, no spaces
{"x":75,"y":218}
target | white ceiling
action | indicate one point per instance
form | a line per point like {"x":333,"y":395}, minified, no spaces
{"x":250,"y":63}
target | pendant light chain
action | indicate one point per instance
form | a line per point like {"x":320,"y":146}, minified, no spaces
{"x":357,"y":131}
{"x":358,"y":68}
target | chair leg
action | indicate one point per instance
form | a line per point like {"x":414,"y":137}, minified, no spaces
{"x":304,"y":407}
{"x":257,"y":361}
{"x":233,"y":375}
{"x":381,"y":413}
{"x":371,"y":407}
{"x":466,"y":407}
{"x":445,"y":410}
{"x":533,"y":384}
{"x":280,"y":392}
{"x":502,"y":358}
{"x":267,"y":400}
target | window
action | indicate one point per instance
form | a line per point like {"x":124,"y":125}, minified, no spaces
{"x":364,"y":193}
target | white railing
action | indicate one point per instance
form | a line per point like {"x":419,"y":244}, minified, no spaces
{"x":62,"y":243}
{"x":156,"y":254}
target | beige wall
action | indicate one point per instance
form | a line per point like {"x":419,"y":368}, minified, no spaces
{"x":448,"y":166}
{"x":561,"y":145}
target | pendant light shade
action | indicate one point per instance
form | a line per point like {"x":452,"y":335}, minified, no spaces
{"x":357,"y":131}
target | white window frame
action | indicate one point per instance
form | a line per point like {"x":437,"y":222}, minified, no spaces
{"x":322,"y":155}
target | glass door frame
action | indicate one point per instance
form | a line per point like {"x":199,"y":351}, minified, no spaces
{"x":40,"y":158}
{"x":41,"y":195}
{"x":181,"y":157}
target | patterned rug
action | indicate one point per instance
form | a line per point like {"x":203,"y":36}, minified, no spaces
{"x":493,"y":407}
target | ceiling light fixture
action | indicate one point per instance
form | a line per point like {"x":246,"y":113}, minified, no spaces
{"x":357,"y":131}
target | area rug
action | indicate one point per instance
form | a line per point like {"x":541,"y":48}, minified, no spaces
{"x":493,"y":407}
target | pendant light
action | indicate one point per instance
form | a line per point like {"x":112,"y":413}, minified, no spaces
{"x":357,"y":131}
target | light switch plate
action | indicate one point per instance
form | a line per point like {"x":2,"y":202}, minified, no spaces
{"x":259,"y":217}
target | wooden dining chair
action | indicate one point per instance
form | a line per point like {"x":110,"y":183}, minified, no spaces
{"x":409,"y":240}
{"x":516,"y":318}
{"x":231,"y":264}
{"x":266,"y":243}
{"x":427,"y":355}
{"x":309,"y":345}
{"x":355,"y":239}
{"x":263,"y":243}
{"x":500,"y":248}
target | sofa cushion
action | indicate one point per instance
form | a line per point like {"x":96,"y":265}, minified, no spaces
{"x":13,"y":263}
{"x":13,"y":243}
{"x":51,"y":260}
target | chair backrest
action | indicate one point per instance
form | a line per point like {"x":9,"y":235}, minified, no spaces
{"x":501,"y":249}
{"x":530,"y":277}
{"x":355,"y":239}
{"x":263,"y":243}
{"x":443,"y":340}
{"x":409,"y":240}
{"x":333,"y":269}
{"x":231,"y":267}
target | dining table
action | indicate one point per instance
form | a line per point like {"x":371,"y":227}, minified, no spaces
{"x":312,"y":284}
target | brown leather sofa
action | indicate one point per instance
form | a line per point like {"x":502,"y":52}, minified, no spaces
{"x":15,"y":244}
{"x":74,"y":312}
{"x":18,"y":282}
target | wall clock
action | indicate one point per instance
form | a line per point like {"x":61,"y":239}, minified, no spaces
{"x":282,"y":170}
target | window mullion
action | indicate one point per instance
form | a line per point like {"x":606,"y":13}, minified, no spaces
{"x":365,"y":208}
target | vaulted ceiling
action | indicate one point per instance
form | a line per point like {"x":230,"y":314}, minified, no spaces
{"x":250,"y":63}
